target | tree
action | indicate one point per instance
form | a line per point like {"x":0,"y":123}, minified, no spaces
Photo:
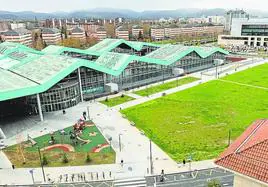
{"x":90,"y":41}
{"x":65,"y":158}
{"x":44,"y":160}
{"x":88,"y":159}
{"x":71,"y":42}
{"x":64,"y":33}
{"x":140,"y":37}
{"x":214,"y":183}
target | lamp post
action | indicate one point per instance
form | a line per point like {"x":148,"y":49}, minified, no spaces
{"x":31,"y":172}
{"x":120,"y":142}
{"x":151,"y":158}
{"x":41,"y":163}
{"x":110,"y":140}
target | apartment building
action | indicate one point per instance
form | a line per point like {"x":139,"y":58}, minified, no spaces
{"x":136,"y":30}
{"x":101,"y":33}
{"x":78,"y":33}
{"x":122,"y":33}
{"x":157,"y":33}
{"x":51,"y":36}
{"x":20,"y":35}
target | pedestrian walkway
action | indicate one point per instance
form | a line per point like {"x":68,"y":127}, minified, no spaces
{"x":157,"y":95}
{"x":130,"y":94}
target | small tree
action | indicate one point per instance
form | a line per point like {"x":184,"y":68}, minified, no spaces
{"x":88,"y":159}
{"x":214,"y":183}
{"x":122,"y":95}
{"x":65,"y":158}
{"x":44,"y":160}
{"x":106,"y":99}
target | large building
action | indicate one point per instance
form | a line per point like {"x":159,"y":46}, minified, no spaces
{"x":21,"y":35}
{"x":78,"y":33}
{"x":173,"y":31}
{"x":233,"y":14}
{"x":122,"y":33}
{"x":59,"y":77}
{"x":157,"y":33}
{"x":101,"y":33}
{"x":137,"y":30}
{"x":250,"y":32}
{"x":51,"y":36}
{"x":247,"y":156}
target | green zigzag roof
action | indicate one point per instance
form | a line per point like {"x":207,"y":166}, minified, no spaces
{"x":25,"y":71}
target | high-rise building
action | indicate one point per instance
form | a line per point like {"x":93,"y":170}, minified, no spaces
{"x":232,"y":14}
{"x":244,"y":31}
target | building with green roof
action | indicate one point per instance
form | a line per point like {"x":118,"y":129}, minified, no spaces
{"x":59,"y":77}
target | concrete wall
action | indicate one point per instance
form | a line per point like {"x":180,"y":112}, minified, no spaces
{"x":240,"y":181}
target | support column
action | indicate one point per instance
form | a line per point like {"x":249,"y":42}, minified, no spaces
{"x":80,"y":85}
{"x":39,"y":107}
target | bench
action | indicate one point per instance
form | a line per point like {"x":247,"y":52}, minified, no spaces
{"x":32,"y":140}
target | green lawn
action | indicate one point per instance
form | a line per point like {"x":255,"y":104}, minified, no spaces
{"x":116,"y":100}
{"x":257,"y":76}
{"x":197,"y":120}
{"x":165,"y":86}
{"x":81,"y":149}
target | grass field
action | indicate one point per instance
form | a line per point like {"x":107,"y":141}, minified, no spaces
{"x":116,"y":100}
{"x":54,"y":156}
{"x":165,"y":86}
{"x":197,"y":121}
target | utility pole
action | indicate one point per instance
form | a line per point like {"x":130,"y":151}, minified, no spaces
{"x":41,"y":163}
{"x":151,"y":158}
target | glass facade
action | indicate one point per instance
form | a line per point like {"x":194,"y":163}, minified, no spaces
{"x":254,"y":30}
{"x":66,"y":93}
{"x":61,"y":96}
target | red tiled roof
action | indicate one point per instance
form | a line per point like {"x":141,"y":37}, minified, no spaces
{"x":248,"y":154}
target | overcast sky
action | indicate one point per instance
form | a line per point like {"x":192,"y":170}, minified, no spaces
{"x":71,"y":5}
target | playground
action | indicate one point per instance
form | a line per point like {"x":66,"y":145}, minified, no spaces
{"x":80,"y":144}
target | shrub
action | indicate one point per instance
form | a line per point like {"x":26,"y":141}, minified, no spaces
{"x":88,"y":159}
{"x":122,"y":95}
{"x":44,"y":160}
{"x":106,"y":99}
{"x":65,"y":158}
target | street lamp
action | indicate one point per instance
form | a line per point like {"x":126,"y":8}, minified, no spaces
{"x":110,"y":140}
{"x":120,"y":142}
{"x":41,"y":163}
{"x":31,"y":172}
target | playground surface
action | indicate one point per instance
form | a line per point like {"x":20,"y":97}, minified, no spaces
{"x":195,"y":123}
{"x":86,"y":141}
{"x":165,"y":86}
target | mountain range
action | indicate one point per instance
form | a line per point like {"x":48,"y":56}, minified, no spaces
{"x":113,"y":13}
